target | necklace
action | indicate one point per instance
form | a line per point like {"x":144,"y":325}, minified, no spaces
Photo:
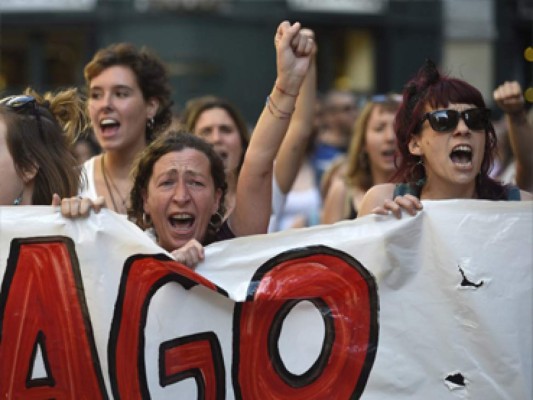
{"x":107,"y":180}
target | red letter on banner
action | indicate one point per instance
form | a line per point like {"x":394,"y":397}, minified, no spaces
{"x":141,"y":279}
{"x":346,"y":296}
{"x":43,"y":311}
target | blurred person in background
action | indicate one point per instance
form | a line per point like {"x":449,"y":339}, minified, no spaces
{"x":340,"y":113}
{"x":508,"y":96}
{"x":85,"y":147}
{"x":370,"y":160}
{"x":128,"y":105}
{"x":35,"y":158}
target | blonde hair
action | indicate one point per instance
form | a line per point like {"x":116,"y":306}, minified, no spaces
{"x":358,"y":173}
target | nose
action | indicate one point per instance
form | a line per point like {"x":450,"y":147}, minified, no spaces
{"x":390,"y":135}
{"x":461,"y":128}
{"x":216,"y":137}
{"x":181,"y":193}
{"x":106,"y":101}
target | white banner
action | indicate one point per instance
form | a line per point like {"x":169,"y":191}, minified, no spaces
{"x":439,"y":306}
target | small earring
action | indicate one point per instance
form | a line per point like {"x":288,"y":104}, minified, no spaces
{"x":18,"y":200}
{"x":147,"y":220}
{"x":150,"y":123}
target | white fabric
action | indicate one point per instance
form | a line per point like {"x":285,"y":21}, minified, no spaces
{"x":451,"y":288}
{"x":89,"y":187}
{"x":278,"y":205}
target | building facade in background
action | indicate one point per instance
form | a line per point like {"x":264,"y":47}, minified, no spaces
{"x":225,"y":47}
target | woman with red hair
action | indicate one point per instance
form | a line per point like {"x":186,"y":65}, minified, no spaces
{"x":446,"y":143}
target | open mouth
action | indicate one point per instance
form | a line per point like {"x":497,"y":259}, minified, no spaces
{"x":181,"y":220}
{"x":109,"y":125}
{"x":223,"y":155}
{"x":461,"y":155}
{"x":388,"y":153}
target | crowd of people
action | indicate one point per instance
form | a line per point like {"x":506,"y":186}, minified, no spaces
{"x":308,"y":160}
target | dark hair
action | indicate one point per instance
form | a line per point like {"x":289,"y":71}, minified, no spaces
{"x":143,"y":169}
{"x":150,"y":73}
{"x":62,"y":117}
{"x":358,"y":171}
{"x":430,"y":87}
{"x":195,"y":107}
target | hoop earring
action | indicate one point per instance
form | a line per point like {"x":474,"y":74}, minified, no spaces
{"x":216,"y":220}
{"x":150,"y":123}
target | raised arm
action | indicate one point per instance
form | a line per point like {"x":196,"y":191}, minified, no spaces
{"x":292,"y":151}
{"x":254,"y":186}
{"x":510,"y":99}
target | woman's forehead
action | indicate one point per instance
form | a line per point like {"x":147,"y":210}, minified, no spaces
{"x":187,"y":159}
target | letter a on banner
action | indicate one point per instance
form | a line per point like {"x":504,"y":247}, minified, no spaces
{"x":44,"y":321}
{"x":344,"y":293}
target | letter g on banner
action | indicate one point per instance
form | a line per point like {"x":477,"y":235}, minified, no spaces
{"x":345,"y":295}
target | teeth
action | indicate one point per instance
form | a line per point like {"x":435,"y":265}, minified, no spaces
{"x":108,"y":121}
{"x":181,"y":217}
{"x":465,"y":148}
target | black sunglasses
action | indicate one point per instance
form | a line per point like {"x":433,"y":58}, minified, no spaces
{"x":476,"y":119}
{"x":23,"y":103}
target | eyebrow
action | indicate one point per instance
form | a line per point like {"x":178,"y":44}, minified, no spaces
{"x":114,"y":87}
{"x":188,"y":172}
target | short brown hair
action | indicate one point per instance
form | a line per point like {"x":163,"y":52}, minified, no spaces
{"x":151,"y":75}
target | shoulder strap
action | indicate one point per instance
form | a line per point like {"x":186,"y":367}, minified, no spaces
{"x":400,"y":189}
{"x":513,"y":193}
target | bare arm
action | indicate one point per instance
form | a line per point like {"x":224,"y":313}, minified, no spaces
{"x":509,"y":98}
{"x":292,"y":151}
{"x":254,"y":187}
{"x":333,"y":210}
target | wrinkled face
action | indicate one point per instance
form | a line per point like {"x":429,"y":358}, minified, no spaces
{"x":181,"y":198}
{"x":381,"y":140}
{"x":11,"y":184}
{"x":217,"y":127}
{"x":118,"y":110}
{"x":450,"y":158}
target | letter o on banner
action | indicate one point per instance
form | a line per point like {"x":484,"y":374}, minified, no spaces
{"x":345,"y":294}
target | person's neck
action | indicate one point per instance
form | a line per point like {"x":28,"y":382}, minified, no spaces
{"x":229,"y":202}
{"x":380,"y":176}
{"x":231,"y":180}
{"x":446,"y":191}
{"x":27,"y":195}
{"x":118,"y":163}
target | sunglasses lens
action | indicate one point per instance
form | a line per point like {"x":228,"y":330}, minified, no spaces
{"x":443,"y":120}
{"x":17,"y":102}
{"x":476,"y":118}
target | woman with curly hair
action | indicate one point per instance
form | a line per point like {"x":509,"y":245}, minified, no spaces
{"x":128,"y":105}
